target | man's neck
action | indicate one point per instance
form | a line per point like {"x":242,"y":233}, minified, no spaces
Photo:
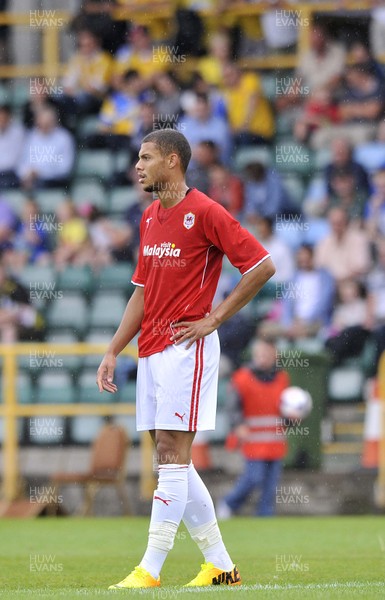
{"x":172,"y":193}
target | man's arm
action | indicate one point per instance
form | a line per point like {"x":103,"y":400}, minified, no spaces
{"x":128,"y":328}
{"x":247,"y":288}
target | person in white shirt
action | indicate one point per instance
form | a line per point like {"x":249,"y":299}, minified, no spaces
{"x":12,"y":137}
{"x":48,"y":155}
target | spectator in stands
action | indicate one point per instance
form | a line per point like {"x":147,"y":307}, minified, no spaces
{"x":360,"y":54}
{"x":308,"y":299}
{"x":363,"y":101}
{"x":219,"y":54}
{"x":8,"y":224}
{"x":73,"y":244}
{"x":12,"y":137}
{"x":375,"y":208}
{"x":48,"y":154}
{"x":345,"y":252}
{"x":140,"y":54}
{"x":133,"y":217}
{"x":30,"y":242}
{"x":323,"y":64}
{"x":198,"y":85}
{"x":110,"y":239}
{"x":200,"y":124}
{"x":372,"y":154}
{"x":345,"y":194}
{"x":377,"y":30}
{"x":168,"y":106}
{"x":257,"y":430}
{"x":280,"y":252}
{"x":342,"y":158}
{"x":361,"y":104}
{"x":44,"y":92}
{"x":205,"y":155}
{"x":265,"y":194}
{"x":226,"y":189}
{"x":144,"y":125}
{"x":351,"y":321}
{"x":19,"y":320}
{"x":87,"y":76}
{"x":119,"y":113}
{"x":97,"y":15}
{"x":375,"y":282}
{"x":319,"y":110}
{"x":249,"y":112}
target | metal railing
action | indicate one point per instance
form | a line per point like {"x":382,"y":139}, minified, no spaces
{"x":145,"y":12}
{"x":11,"y":410}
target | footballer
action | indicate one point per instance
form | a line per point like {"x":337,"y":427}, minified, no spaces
{"x":183,"y":238}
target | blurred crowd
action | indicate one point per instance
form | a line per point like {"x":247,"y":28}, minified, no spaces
{"x":328,"y":243}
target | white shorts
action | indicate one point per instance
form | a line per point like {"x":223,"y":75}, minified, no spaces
{"x":177,"y":388}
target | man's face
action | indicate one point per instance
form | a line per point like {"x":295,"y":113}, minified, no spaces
{"x":264,"y":356}
{"x":338,"y":222}
{"x":151,"y":168}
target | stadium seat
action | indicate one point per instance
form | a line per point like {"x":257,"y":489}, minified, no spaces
{"x":55,"y":387}
{"x":295,"y":187}
{"x":122,"y":198}
{"x":292,"y":157}
{"x":223,"y":391}
{"x":87,"y":126}
{"x":107,"y":310}
{"x":21,"y":94}
{"x":107,"y":464}
{"x":83,"y":430}
{"x":116,"y":277}
{"x":269,"y":85}
{"x":5,"y":95}
{"x":96,"y":337}
{"x":94,"y":163}
{"x":283,"y":125}
{"x":49,"y":200}
{"x":24,"y":389}
{"x":72,"y":362}
{"x":346,"y":384}
{"x":40,"y":282}
{"x":88,"y":192}
{"x":15,"y":198}
{"x":249,"y":154}
{"x":128,"y":422}
{"x":76,"y":279}
{"x":69,"y":312}
{"x":322,"y":158}
{"x":87,"y":390}
{"x":128,"y":393}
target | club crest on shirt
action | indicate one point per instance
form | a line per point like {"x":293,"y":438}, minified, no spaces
{"x":189,"y":220}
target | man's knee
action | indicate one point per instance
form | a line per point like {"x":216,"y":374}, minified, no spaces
{"x":167,"y":448}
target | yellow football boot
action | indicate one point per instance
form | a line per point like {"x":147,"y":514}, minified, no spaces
{"x":138,"y":578}
{"x":210,"y":575}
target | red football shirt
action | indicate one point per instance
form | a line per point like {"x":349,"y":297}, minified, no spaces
{"x":180,"y":260}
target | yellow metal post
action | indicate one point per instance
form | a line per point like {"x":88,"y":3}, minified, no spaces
{"x":11,"y":466}
{"x":147,"y":479}
{"x":380,"y":483}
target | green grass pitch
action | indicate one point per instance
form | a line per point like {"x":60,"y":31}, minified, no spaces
{"x":290,"y":558}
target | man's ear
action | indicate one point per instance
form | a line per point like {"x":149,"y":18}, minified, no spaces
{"x":173,"y":160}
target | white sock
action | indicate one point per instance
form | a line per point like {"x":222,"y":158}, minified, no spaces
{"x":201,"y":522}
{"x":168,"y":506}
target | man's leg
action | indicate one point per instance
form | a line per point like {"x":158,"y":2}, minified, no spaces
{"x":272,"y":474}
{"x":248,"y":480}
{"x":201,"y":522}
{"x":169,"y":502}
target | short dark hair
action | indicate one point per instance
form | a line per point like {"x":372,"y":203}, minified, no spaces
{"x":130,"y":74}
{"x":168,"y":141}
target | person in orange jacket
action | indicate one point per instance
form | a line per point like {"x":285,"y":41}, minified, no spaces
{"x":257,"y":429}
